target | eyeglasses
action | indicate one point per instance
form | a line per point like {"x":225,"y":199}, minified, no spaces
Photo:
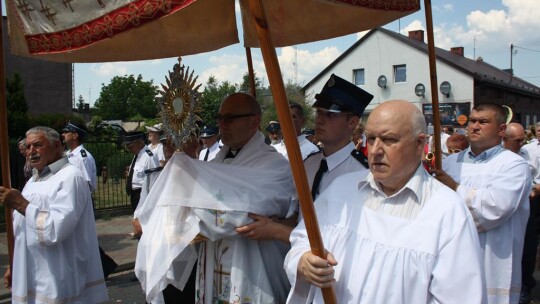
{"x":452,"y":151}
{"x":231,"y":118}
{"x":330,"y":115}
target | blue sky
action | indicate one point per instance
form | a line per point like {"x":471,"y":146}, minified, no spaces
{"x":484,"y":28}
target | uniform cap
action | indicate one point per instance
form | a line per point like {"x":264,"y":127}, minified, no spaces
{"x":132,"y":136}
{"x":338,"y":95}
{"x":273,"y":126}
{"x":72,"y":127}
{"x":209,"y":131}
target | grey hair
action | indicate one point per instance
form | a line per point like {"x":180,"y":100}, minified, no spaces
{"x":418,"y":123}
{"x":50,"y":133}
{"x":22,"y":142}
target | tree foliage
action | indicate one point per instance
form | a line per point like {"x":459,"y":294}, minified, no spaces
{"x":17,"y":107}
{"x":126,"y":97}
{"x":212,"y":96}
{"x":80,"y":104}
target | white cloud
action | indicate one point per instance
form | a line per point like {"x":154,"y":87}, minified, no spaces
{"x":109,"y":69}
{"x":361,"y":34}
{"x":448,"y":7}
{"x":225,"y":67}
{"x":413,"y":26}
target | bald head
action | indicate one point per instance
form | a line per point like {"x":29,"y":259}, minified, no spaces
{"x":404,"y":113}
{"x":514,"y":137}
{"x":239,"y":117}
{"x":457,"y":142}
{"x":395,"y":133}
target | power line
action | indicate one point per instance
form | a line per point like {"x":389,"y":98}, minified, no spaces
{"x":519,"y":47}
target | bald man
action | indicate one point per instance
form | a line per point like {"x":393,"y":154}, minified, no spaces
{"x":387,"y":225}
{"x":513,"y":140}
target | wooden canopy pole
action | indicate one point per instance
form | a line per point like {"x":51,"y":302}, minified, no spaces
{"x":293,"y":149}
{"x":252,"y":88}
{"x":433,"y":82}
{"x":4,"y":145}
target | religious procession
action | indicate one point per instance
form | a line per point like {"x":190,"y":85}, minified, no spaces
{"x":385,"y":206}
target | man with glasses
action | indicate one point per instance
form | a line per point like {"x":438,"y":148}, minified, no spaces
{"x":457,"y":143}
{"x":495,"y":184}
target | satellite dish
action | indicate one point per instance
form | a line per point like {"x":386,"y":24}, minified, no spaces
{"x":445,"y":88}
{"x":381,"y":81}
{"x":420,"y":90}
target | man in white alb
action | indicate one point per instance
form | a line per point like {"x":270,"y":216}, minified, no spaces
{"x":56,"y":257}
{"x":495,"y":184}
{"x":394,"y":234}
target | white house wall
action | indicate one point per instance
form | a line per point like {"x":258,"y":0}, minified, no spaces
{"x":378,"y":54}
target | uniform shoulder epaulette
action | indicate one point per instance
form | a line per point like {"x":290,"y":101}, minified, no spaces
{"x":156,"y":169}
{"x":149,"y":152}
{"x":314,"y":153}
{"x":359,"y":156}
{"x":83,"y":153}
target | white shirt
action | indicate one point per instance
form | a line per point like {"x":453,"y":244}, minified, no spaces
{"x":145,"y":160}
{"x":56,"y":251}
{"x":306,"y":147}
{"x":432,"y":258}
{"x":339,"y":163}
{"x":531,"y":153}
{"x":82,"y":159}
{"x":495,"y":186}
{"x":157,"y":150}
{"x":212,"y":151}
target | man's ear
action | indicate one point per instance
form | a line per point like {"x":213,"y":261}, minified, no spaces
{"x":502,"y":130}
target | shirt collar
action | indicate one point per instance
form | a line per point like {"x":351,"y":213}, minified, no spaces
{"x":414,"y":184}
{"x":484,"y":156}
{"x":53,"y":168}
{"x":74,"y":151}
{"x":339,"y":156}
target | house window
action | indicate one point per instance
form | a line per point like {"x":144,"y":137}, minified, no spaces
{"x":358,"y":75}
{"x":400,"y":73}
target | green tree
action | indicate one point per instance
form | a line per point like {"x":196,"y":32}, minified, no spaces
{"x":80,"y":104}
{"x":17,"y":107}
{"x":126,"y":97}
{"x":212,"y":97}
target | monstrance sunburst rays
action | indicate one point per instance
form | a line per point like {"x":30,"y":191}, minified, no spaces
{"x":180,"y":104}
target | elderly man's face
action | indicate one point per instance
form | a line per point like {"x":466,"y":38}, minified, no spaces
{"x":394,"y":153}
{"x":237,"y":122}
{"x":41,"y":151}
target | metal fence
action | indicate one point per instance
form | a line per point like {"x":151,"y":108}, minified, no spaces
{"x":112,"y":162}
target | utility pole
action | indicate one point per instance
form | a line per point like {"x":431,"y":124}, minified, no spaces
{"x":511,"y":59}
{"x":89,"y":94}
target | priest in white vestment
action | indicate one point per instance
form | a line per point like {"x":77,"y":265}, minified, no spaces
{"x":495,"y":184}
{"x":206,"y":201}
{"x":393,"y":234}
{"x":56,"y":256}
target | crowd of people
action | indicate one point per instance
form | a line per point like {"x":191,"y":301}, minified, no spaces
{"x":218,"y":218}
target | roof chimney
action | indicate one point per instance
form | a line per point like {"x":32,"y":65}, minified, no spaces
{"x":417,"y":35}
{"x":457,"y":50}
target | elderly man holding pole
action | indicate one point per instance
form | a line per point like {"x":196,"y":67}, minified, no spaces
{"x":393,"y":234}
{"x":56,"y":256}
